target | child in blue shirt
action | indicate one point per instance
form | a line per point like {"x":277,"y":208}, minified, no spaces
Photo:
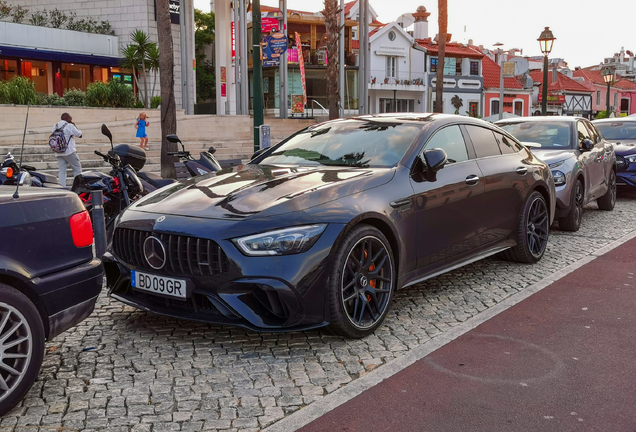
{"x":141,"y":130}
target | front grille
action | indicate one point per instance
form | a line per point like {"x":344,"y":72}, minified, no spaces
{"x":189,"y":256}
{"x":621,"y":162}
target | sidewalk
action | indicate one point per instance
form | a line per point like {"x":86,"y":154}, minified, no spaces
{"x":563,"y":359}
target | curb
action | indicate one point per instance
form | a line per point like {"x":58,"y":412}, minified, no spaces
{"x":322,"y":406}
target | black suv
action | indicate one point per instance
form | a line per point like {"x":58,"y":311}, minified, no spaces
{"x":49,"y":279}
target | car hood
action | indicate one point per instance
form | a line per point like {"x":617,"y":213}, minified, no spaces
{"x":550,"y":156}
{"x":624,"y":147}
{"x":260,"y":191}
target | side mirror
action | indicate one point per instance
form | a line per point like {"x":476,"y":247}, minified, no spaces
{"x":434,"y":160}
{"x":587,"y":144}
{"x":257,"y":153}
{"x":173,"y":139}
{"x":212,"y":150}
{"x":106,"y":132}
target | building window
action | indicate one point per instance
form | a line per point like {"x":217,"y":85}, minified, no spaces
{"x":494,"y":107}
{"x":397,"y":105}
{"x":8,"y":69}
{"x":458,"y":68}
{"x":450,"y":66}
{"x":473,"y":109}
{"x":474,"y":68}
{"x":598,"y":97}
{"x":433,"y":64}
{"x":391,"y":67}
{"x":519,"y":108}
{"x":391,"y":36}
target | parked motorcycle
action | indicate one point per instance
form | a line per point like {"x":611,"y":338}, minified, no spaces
{"x":120,"y":186}
{"x":194,"y":167}
{"x":12,"y":174}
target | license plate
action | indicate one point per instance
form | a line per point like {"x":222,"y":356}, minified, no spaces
{"x":159,"y":284}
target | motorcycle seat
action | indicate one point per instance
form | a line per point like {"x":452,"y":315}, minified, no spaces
{"x":46,"y":178}
{"x":155,"y":180}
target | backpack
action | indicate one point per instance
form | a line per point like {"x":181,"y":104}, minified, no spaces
{"x":57,"y":140}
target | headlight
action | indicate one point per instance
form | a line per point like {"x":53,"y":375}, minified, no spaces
{"x":556,"y":164}
{"x":631,"y":158}
{"x":559,"y":178}
{"x":280,"y":242}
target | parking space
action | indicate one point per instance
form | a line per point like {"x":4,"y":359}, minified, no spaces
{"x":127,"y":370}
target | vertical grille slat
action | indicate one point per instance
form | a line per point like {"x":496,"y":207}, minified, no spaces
{"x":187,"y":256}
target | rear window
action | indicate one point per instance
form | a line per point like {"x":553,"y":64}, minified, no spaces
{"x":618,"y":130}
{"x":551,"y":135}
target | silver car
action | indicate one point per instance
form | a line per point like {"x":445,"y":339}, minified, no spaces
{"x":581,"y":160}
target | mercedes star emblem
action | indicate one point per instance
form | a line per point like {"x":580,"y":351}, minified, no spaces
{"x":161,"y":219}
{"x":154,"y":252}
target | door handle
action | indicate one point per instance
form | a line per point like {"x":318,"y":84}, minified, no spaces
{"x":522,"y":170}
{"x":472,"y":180}
{"x":400,"y":203}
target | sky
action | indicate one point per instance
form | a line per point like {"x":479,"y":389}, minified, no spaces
{"x":586,"y":31}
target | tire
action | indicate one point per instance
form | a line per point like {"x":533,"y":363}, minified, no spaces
{"x":608,"y":201}
{"x":21,"y":346}
{"x":572,"y":221}
{"x":361,"y":283}
{"x":531,"y":232}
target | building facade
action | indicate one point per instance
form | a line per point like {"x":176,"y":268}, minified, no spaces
{"x":517,"y":99}
{"x":565,"y":95}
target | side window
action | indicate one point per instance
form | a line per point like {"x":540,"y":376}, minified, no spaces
{"x":593,"y":133}
{"x":451,"y":140}
{"x":484,"y":141}
{"x":582,"y":132}
{"x":507,"y":145}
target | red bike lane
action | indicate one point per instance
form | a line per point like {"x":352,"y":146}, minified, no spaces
{"x":563,"y":359}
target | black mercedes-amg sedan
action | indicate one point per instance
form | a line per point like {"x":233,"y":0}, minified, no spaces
{"x":322,"y":228}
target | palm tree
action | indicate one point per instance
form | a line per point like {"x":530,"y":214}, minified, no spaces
{"x":333,"y":31}
{"x":457,"y":103}
{"x":442,"y":5}
{"x":130,"y":60}
{"x":153,"y":65}
{"x":142,"y":44}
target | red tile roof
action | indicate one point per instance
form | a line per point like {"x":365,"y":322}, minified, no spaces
{"x":625,"y":84}
{"x":563,"y":83}
{"x":492,"y":73}
{"x":453,"y":49}
{"x":355,"y":44}
{"x":589,"y":75}
{"x":348,"y":6}
{"x":274,"y":9}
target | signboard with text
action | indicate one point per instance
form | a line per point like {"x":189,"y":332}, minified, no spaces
{"x":556,"y":99}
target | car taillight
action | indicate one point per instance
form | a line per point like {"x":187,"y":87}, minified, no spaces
{"x":82,"y":229}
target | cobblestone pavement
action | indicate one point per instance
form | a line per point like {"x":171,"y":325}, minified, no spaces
{"x":127,"y":370}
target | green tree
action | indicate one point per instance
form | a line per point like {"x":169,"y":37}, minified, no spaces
{"x":136,"y":56}
{"x":203,"y":37}
{"x":457,"y":103}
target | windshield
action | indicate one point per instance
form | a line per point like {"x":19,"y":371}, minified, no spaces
{"x":551,"y":135}
{"x":355,"y":142}
{"x":617,"y":130}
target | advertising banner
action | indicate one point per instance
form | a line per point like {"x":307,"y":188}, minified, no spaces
{"x":301,"y":63}
{"x":274,"y":46}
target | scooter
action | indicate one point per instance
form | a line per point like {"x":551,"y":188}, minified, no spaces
{"x":194,"y":167}
{"x":12,"y":174}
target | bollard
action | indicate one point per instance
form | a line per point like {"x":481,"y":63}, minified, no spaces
{"x":99,"y":225}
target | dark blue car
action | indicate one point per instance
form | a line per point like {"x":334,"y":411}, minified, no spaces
{"x":621,"y":132}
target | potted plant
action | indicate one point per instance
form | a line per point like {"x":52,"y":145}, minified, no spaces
{"x":397,"y":81}
{"x":386,"y":80}
{"x":407,"y":82}
{"x":373,"y":80}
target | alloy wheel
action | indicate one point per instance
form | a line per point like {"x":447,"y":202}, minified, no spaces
{"x":612,"y":188}
{"x":16,"y":345}
{"x":578,"y":201}
{"x":537,"y":227}
{"x":366,"y":283}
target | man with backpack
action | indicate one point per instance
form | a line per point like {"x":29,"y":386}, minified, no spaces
{"x":62,"y":142}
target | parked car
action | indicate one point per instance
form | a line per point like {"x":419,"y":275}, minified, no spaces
{"x":322,"y":228}
{"x":622,"y":133}
{"x":581,"y":160}
{"x":49,"y":279}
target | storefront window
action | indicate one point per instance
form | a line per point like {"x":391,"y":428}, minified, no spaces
{"x":100,"y":74}
{"x":8,"y":69}
{"x":75,"y":76}
{"x":38,"y":72}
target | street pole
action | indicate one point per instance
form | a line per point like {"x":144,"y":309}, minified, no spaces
{"x":607,"y":100}
{"x":282,"y":71}
{"x":501,"y":84}
{"x":257,"y":79}
{"x":361,"y":58}
{"x":237,"y":73}
{"x":245,"y":76}
{"x":544,"y":87}
{"x":342,"y":57}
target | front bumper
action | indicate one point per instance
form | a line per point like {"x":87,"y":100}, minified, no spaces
{"x":69,"y":296}
{"x":563,"y":199}
{"x":273,"y":293}
{"x":625,"y":172}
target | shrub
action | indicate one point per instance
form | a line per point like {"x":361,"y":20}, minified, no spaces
{"x":5,"y":9}
{"x":57,"y":18}
{"x":75,"y":97}
{"x":21,"y":91}
{"x":53,"y":99}
{"x":138,"y":104}
{"x":4,"y":93}
{"x":39,"y":18}
{"x":97,"y":94}
{"x":155,"y":101}
{"x":18,"y":13}
{"x":120,"y":95}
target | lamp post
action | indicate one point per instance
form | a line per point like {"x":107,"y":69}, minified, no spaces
{"x":546,"y":40}
{"x":608,"y":77}
{"x":500,"y":52}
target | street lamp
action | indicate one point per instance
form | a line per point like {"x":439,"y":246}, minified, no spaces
{"x":608,"y":77}
{"x":500,"y":53}
{"x":546,"y":40}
